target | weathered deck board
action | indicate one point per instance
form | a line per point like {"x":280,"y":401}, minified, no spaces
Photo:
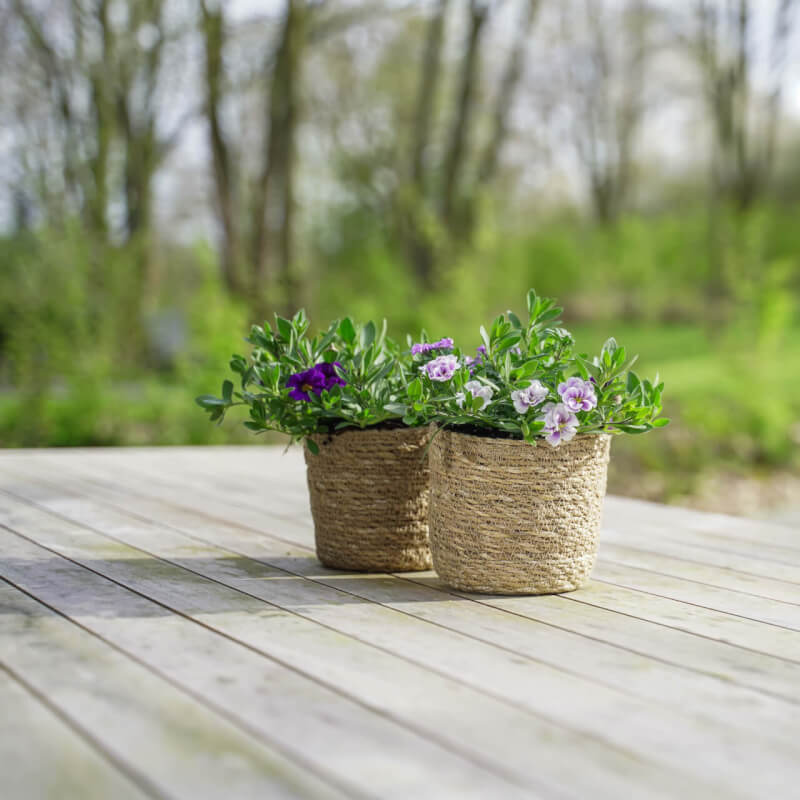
{"x":33,"y":735}
{"x":295,"y":714}
{"x":780,"y":678}
{"x":673,"y":674}
{"x":172,"y":745}
{"x":729,"y":625}
{"x":687,"y":555}
{"x":468,"y":719}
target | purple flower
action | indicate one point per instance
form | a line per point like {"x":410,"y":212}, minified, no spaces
{"x":478,"y":359}
{"x":332,"y":377}
{"x":560,"y":424}
{"x":427,"y":347}
{"x":578,"y":394}
{"x":321,"y":377}
{"x":441,"y":368}
{"x":476,"y":389}
{"x":532,"y":396}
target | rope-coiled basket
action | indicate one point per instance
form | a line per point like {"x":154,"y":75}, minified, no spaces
{"x":510,"y":518}
{"x":369,"y":499}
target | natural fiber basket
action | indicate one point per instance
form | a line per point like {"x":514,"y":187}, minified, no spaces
{"x":510,"y":518}
{"x":369,"y":499}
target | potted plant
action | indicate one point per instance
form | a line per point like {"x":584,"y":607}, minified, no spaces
{"x":337,"y":392}
{"x":518,"y":463}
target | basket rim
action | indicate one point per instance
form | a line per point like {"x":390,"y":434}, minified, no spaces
{"x":505,"y":441}
{"x":413,"y":432}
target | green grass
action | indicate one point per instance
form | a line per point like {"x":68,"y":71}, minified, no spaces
{"x":735,"y":407}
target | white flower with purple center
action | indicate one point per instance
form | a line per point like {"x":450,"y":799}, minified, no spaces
{"x":440,"y":368}
{"x":560,"y":424}
{"x":530,"y":397}
{"x":578,"y":394}
{"x":476,"y":389}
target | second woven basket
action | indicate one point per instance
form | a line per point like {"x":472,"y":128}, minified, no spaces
{"x":509,"y":518}
{"x":369,"y":499}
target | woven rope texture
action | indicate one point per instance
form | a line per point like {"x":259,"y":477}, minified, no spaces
{"x":369,"y":499}
{"x":510,"y":518}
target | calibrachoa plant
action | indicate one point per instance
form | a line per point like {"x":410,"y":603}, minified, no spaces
{"x":347,"y":376}
{"x":525,"y":381}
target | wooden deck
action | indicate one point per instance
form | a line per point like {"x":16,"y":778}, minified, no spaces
{"x":165,"y":631}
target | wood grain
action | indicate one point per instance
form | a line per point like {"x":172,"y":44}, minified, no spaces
{"x":674,"y":673}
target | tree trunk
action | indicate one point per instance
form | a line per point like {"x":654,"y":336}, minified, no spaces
{"x":213,"y":30}
{"x":415,"y":237}
{"x":459,"y":136}
{"x":274,"y":203}
{"x":430,"y":73}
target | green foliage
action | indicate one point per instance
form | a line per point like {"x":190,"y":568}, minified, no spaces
{"x":79,"y":362}
{"x":484,"y":392}
{"x":347,"y":376}
{"x":79,"y":365}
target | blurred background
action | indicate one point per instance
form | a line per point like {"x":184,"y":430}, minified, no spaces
{"x":173,"y":170}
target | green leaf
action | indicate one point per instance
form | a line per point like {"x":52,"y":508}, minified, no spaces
{"x":400,"y":409}
{"x":284,"y":328}
{"x":415,"y":389}
{"x":227,"y":391}
{"x":526,"y":370}
{"x":381,"y":372}
{"x":498,"y":327}
{"x":312,"y":446}
{"x":238,"y":364}
{"x":253,"y":426}
{"x":382,"y":335}
{"x":209,"y":401}
{"x":661,"y":422}
{"x":347,"y":331}
{"x":632,"y":428}
{"x":549,"y":316}
{"x":610,"y":346}
{"x":367,"y":335}
{"x":508,"y":341}
{"x":487,"y":342}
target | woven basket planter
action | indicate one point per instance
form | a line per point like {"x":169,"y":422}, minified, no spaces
{"x":369,"y":499}
{"x":510,"y":518}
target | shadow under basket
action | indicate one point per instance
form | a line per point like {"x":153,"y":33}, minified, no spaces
{"x":510,"y":518}
{"x":369,"y":494}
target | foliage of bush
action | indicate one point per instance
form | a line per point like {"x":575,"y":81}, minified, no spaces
{"x":104,"y":345}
